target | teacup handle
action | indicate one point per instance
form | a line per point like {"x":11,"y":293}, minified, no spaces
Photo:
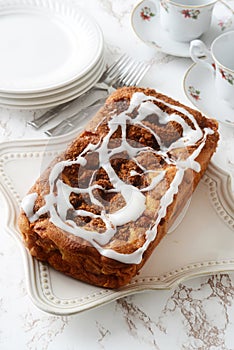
{"x":201,"y":54}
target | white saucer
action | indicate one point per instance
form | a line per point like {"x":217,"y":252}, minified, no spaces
{"x":200,"y":90}
{"x":149,"y":30}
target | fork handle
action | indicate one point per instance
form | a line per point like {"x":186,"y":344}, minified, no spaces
{"x":69,"y":123}
{"x":53,"y":112}
{"x":47,"y":116}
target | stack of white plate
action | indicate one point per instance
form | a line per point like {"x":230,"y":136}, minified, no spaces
{"x":50,"y":53}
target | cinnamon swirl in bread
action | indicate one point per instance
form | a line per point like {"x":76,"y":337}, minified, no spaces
{"x":102,"y":206}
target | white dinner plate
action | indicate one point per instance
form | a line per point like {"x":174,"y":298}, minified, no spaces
{"x":145,"y":22}
{"x":45,"y":44}
{"x":65,"y":88}
{"x":195,"y":247}
{"x":57,"y":98}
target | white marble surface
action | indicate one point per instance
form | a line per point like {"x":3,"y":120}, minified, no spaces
{"x":197,"y":314}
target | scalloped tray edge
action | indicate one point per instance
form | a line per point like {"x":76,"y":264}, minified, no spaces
{"x":38,"y":274}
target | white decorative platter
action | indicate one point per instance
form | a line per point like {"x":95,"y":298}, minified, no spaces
{"x":145,"y":22}
{"x":202,"y":243}
{"x":45,"y":44}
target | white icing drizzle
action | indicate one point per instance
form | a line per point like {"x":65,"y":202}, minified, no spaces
{"x":57,"y":202}
{"x":27,"y":204}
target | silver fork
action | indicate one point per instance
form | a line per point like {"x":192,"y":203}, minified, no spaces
{"x":109,"y":76}
{"x":130,"y":76}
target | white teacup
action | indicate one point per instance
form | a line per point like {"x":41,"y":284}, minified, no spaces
{"x":185,"y":20}
{"x":220,"y":58}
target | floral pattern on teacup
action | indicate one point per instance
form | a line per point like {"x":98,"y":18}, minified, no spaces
{"x":190,"y":13}
{"x":194,"y":93}
{"x":227,"y":76}
{"x":225,"y":23}
{"x":146,"y":13}
{"x":164,"y":4}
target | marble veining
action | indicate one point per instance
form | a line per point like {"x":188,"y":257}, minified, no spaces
{"x":203,"y":310}
{"x":118,"y":10}
{"x":104,"y":333}
{"x":50,"y":327}
{"x":138,"y":322}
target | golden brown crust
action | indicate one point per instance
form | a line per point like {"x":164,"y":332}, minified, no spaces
{"x":77,"y":257}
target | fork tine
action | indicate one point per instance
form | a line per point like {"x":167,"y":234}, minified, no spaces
{"x":115,"y":64}
{"x":135,"y":79}
{"x":127,"y":72}
{"x":116,"y":68}
{"x":132,"y":75}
